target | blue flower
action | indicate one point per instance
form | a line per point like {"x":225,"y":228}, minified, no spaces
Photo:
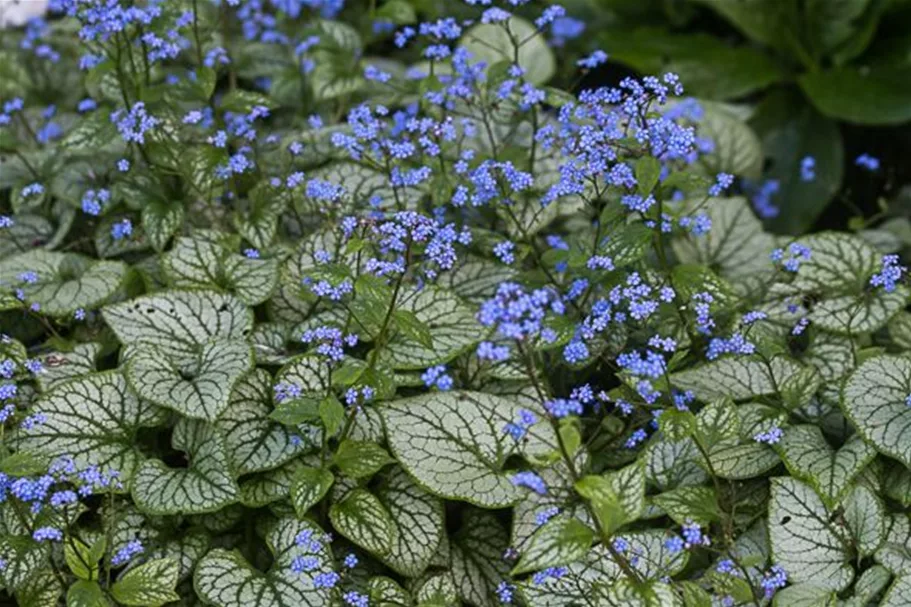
{"x":529,"y":480}
{"x":867,"y":162}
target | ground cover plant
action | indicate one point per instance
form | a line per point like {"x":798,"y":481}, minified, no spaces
{"x":307,"y":302}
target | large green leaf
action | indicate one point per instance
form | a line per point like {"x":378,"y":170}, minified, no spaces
{"x":177,"y":323}
{"x":791,"y":130}
{"x":770,"y":22}
{"x":364,"y":520}
{"x":453,"y":444}
{"x":94,"y":419}
{"x":254,"y":442}
{"x":65,"y":281}
{"x":418,"y":519}
{"x":868,"y":95}
{"x":803,"y":539}
{"x":160,"y":221}
{"x":225,"y":579}
{"x":830,"y":472}
{"x":874,"y":399}
{"x":206,"y":485}
{"x":493,"y":43}
{"x":62,"y":366}
{"x":148,"y":585}
{"x":708,"y":67}
{"x":199,"y":389}
{"x":451,"y":323}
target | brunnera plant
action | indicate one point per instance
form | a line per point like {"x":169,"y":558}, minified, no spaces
{"x":285,"y":323}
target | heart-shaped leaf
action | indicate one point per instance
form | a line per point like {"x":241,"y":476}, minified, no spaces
{"x":453,"y":443}
{"x":206,"y":485}
{"x":200,"y":389}
{"x":94,"y":419}
{"x":177,"y":323}
{"x":62,"y":282}
{"x":225,"y":579}
{"x":875,"y":400}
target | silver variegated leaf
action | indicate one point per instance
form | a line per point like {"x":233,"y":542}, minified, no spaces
{"x":451,"y":323}
{"x":736,"y":377}
{"x":197,"y":389}
{"x":418,"y":519}
{"x":803,"y":539}
{"x":254,"y":442}
{"x":865,"y":516}
{"x":65,"y":282}
{"x":62,"y":366}
{"x":94,"y":419}
{"x":476,"y":558}
{"x":453,"y":444}
{"x":225,"y":579}
{"x":177,"y":323}
{"x":206,"y":485}
{"x":830,"y":472}
{"x":874,"y":398}
{"x":364,"y":519}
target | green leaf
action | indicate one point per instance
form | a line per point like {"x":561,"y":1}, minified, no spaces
{"x":296,"y":411}
{"x":492,"y":43}
{"x":418,"y":520}
{"x":363,"y":519}
{"x":648,"y":170}
{"x":358,"y":459}
{"x":830,"y":472}
{"x":452,"y":443}
{"x":709,"y":67}
{"x":82,"y":559}
{"x":690,"y":504}
{"x":308,"y":487}
{"x":451,"y":323}
{"x":870,"y":95}
{"x":83,"y":593}
{"x":148,"y":585}
{"x":399,"y":12}
{"x":332,"y":414}
{"x":559,"y":541}
{"x":803,"y":540}
{"x":791,"y":130}
{"x":254,"y":443}
{"x":94,"y":419}
{"x":770,"y":23}
{"x":23,"y":463}
{"x":200,"y":390}
{"x":65,"y":281}
{"x":873,"y":398}
{"x":177,"y":323}
{"x":412,"y":327}
{"x":225,"y":579}
{"x":206,"y":485}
